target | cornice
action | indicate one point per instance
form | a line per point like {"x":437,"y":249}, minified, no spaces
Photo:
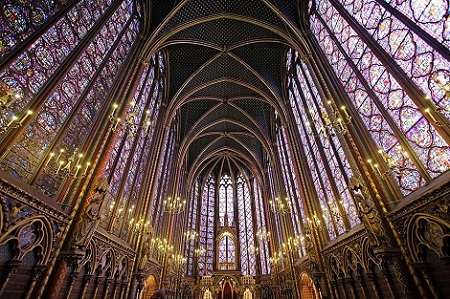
{"x":25,"y":194}
{"x":105,"y":237}
{"x":425,"y":199}
{"x":355,"y":234}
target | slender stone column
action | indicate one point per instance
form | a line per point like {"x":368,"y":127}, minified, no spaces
{"x":86,"y":281}
{"x":96,"y":286}
{"x":11,"y":268}
{"x":372,"y":281}
{"x":36,"y":273}
{"x":360,"y":281}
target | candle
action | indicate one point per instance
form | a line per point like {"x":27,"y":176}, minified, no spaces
{"x":378,"y":169}
{"x":384,"y":156}
{"x":49,"y":159}
{"x":371,"y":165}
{"x":13,"y":119}
{"x":60,"y":152}
{"x":86,"y":169}
{"x":428,"y":111}
{"x":115,"y":106}
{"x":117,"y":123}
{"x":78,"y":169}
{"x":79,"y":158}
{"x":345,"y":111}
{"x":59,"y":166}
{"x":29,"y":112}
{"x":341,"y":125}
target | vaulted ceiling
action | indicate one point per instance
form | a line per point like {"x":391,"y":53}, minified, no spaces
{"x":225,"y":62}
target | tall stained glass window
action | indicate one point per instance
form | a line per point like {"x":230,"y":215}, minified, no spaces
{"x":392,"y":59}
{"x":329,"y":168}
{"x":233,"y":246}
{"x":226,"y":200}
{"x":52,"y":146}
{"x":227,"y":252}
{"x":291,"y":183}
{"x":207,"y":225}
{"x":192,"y":227}
{"x":127,"y":163}
{"x":248,"y":248}
{"x":261,"y":226}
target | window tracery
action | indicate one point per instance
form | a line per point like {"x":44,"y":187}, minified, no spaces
{"x":396,"y":79}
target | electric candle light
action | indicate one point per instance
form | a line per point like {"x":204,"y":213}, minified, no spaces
{"x":370,"y":163}
{"x":115,"y":106}
{"x":79,"y":158}
{"x":428,"y":111}
{"x":341,"y":125}
{"x":86,"y":169}
{"x":78,"y":169}
{"x":377,"y":168}
{"x":60,"y":152}
{"x":59,"y":166}
{"x":345,"y":111}
{"x":13,"y":119}
{"x":29,"y":112}
{"x":51,"y":155}
{"x":116,"y":124}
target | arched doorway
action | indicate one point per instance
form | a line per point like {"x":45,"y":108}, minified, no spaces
{"x":307,"y":289}
{"x":227,"y":289}
{"x":150,"y":287}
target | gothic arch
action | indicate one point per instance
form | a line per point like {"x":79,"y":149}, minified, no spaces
{"x":351,"y":261}
{"x":89,"y":260}
{"x":427,"y":232}
{"x":107,"y":262}
{"x":39,"y":235}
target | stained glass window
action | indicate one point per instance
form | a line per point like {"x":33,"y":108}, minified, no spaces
{"x":35,"y":66}
{"x":20,"y":19}
{"x":389,"y":70}
{"x":192,"y":227}
{"x":226,"y":200}
{"x":69,"y":112}
{"x":248,"y":248}
{"x":163,"y":189}
{"x":330,"y":170}
{"x":207,"y":225}
{"x":226,"y":252}
{"x":131,"y":151}
{"x":260,"y":217}
{"x":290,"y":181}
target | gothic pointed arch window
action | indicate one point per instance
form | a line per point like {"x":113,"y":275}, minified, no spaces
{"x":291,"y":183}
{"x":329,"y":167}
{"x":248,"y":248}
{"x":166,"y":166}
{"x":207,"y":226}
{"x":226,"y":252}
{"x":392,"y":58}
{"x":129,"y":158}
{"x":67,"y":74}
{"x":192,"y":226}
{"x":261,"y":225}
{"x":226,"y":200}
